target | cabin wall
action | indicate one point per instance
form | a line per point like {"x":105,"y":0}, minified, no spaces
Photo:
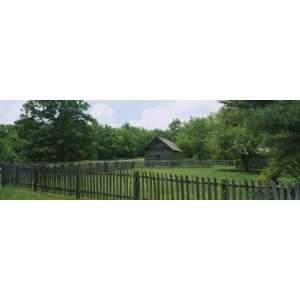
{"x":159,"y":151}
{"x":162,"y":155}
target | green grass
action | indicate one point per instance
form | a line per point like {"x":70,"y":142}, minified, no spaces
{"x":218,"y":171}
{"x":9,"y":193}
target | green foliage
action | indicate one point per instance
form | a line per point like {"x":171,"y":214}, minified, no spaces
{"x":232,"y":138}
{"x":193,"y":138}
{"x":279,"y":122}
{"x":105,"y":141}
{"x":8,"y":143}
{"x":55,"y":130}
{"x":251,"y":105}
{"x":272,"y":172}
{"x":174,"y":129}
{"x":124,"y":142}
{"x":131,"y":141}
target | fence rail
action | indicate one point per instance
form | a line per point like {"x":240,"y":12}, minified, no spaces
{"x":131,"y":164}
{"x":188,"y":163}
{"x":91,"y":182}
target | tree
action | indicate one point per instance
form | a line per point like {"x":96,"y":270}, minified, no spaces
{"x":232,"y":138}
{"x":193,"y":138}
{"x":8,"y":143}
{"x":279,"y":122}
{"x":105,"y":142}
{"x":124,"y":142}
{"x":250,"y":105}
{"x":56,"y":130}
{"x":173,"y":129}
{"x":131,"y":141}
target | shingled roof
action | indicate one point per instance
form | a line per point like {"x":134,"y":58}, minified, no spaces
{"x":170,"y":145}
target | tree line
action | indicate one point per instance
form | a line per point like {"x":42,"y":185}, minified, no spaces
{"x":65,"y":131}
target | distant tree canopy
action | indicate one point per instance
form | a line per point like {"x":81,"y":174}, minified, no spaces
{"x":65,"y":131}
{"x":193,"y":137}
{"x":173,"y":129}
{"x":232,"y":138}
{"x":8,"y":143}
{"x":124,"y":142}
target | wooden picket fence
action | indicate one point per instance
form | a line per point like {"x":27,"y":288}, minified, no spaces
{"x":175,"y":187}
{"x":90,"y":182}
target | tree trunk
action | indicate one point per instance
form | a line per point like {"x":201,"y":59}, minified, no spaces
{"x":245,"y":161}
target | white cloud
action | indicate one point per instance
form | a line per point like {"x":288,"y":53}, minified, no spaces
{"x":160,"y":115}
{"x":102,"y":112}
{"x":10,"y":111}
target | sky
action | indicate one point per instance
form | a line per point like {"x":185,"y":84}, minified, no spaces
{"x":147,"y":114}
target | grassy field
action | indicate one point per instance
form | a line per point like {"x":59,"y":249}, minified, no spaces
{"x":8,"y":193}
{"x":218,"y":172}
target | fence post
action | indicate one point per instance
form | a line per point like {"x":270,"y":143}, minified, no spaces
{"x":16,"y":183}
{"x":224,"y":191}
{"x":78,"y":182}
{"x":3,"y":175}
{"x":297,"y":191}
{"x":274,"y":190}
{"x":35,"y":178}
{"x":136,"y":186}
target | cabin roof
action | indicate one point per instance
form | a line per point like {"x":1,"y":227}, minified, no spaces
{"x":172,"y":146}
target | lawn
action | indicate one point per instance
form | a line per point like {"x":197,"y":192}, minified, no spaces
{"x":9,"y":193}
{"x":218,"y":172}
